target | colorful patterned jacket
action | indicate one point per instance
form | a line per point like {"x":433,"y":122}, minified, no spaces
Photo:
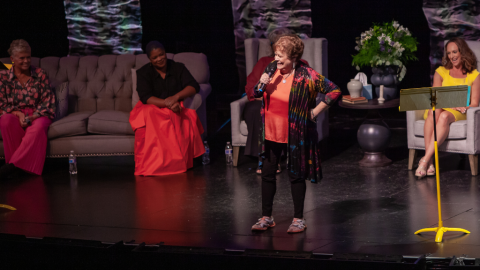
{"x":36,"y":94}
{"x":303,"y":151}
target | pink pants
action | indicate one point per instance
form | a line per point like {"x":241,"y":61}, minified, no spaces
{"x":25,"y":148}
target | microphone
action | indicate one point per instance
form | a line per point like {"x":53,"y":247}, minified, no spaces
{"x":262,"y":85}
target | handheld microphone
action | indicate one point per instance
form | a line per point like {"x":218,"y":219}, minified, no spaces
{"x":262,"y":85}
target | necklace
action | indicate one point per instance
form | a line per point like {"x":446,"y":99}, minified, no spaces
{"x":285,"y":78}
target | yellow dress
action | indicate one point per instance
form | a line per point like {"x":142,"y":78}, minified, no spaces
{"x":451,"y":81}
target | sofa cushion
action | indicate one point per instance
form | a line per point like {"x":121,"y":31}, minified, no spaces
{"x":70,"y":125}
{"x":243,"y":128}
{"x":458,"y":130}
{"x":135,"y":97}
{"x":110,"y":123}
{"x":61,"y":101}
{"x":196,"y":63}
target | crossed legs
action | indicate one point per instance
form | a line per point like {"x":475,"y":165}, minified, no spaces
{"x":443,"y":120}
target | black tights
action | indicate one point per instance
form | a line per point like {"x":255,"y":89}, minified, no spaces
{"x":273,"y":152}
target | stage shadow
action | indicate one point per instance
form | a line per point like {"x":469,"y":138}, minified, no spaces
{"x":349,"y":209}
{"x":400,"y":249}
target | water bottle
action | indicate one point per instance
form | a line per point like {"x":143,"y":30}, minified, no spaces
{"x":72,"y":163}
{"x":229,"y":153}
{"x":206,"y":156}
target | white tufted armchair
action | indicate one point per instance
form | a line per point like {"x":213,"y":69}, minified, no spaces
{"x":315,"y":52}
{"x":463,"y":138}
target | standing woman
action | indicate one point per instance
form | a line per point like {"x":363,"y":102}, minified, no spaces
{"x":459,"y":68}
{"x":251,"y":113}
{"x":289,"y":121}
{"x":28,"y":107}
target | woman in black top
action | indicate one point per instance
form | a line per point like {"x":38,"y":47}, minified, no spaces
{"x":167,"y":135}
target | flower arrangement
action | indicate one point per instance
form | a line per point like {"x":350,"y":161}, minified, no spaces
{"x":385,"y":45}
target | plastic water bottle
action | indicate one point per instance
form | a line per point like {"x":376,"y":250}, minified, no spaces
{"x":229,"y":153}
{"x":72,"y":163}
{"x":206,"y":156}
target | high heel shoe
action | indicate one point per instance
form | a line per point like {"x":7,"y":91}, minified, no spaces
{"x":421,"y":170}
{"x":431,"y":170}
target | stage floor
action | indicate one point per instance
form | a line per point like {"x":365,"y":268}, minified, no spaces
{"x":353,"y":209}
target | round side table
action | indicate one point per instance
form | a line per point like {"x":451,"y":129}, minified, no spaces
{"x":373,"y":134}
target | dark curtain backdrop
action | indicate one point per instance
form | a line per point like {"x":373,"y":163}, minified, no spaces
{"x":207,"y":26}
{"x":448,"y":19}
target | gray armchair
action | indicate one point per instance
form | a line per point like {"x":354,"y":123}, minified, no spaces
{"x":463,"y":138}
{"x":315,"y":52}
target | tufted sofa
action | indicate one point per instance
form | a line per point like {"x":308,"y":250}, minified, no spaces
{"x":100,"y":93}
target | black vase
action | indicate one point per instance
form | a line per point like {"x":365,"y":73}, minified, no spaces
{"x":386,"y":76}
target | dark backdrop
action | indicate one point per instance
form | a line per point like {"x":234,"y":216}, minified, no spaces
{"x":207,"y":26}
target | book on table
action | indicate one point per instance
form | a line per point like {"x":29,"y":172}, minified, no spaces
{"x":348,"y":99}
{"x":354,"y":101}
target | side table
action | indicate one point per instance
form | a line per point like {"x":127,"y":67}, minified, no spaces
{"x":373,"y":134}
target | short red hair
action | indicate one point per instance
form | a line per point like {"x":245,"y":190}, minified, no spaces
{"x":292,"y":45}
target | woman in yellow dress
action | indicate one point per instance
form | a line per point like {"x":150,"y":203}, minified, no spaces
{"x":459,"y":68}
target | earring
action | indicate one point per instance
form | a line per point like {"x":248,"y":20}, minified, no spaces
{"x":293,"y":65}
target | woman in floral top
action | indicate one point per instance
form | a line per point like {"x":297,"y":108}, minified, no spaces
{"x":27,"y":107}
{"x":289,"y":120}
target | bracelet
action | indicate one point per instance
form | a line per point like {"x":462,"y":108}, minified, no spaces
{"x":313,"y":117}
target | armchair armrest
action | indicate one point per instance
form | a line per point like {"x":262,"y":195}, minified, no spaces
{"x":412,"y":117}
{"x":236,"y":111}
{"x":473,"y":130}
{"x":193,"y":102}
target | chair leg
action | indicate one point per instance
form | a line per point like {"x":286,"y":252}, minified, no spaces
{"x":473,"y":164}
{"x":412,"y":154}
{"x":236,"y":150}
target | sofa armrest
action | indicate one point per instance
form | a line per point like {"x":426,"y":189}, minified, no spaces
{"x":473,"y":130}
{"x":236,"y":112}
{"x":193,"y":102}
{"x":412,"y":117}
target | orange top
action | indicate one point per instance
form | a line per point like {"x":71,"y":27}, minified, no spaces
{"x":276,"y":98}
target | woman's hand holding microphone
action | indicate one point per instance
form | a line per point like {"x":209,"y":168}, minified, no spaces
{"x":265,"y":79}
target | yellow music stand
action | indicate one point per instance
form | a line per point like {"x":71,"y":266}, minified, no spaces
{"x":432,"y":98}
{"x":7,"y":207}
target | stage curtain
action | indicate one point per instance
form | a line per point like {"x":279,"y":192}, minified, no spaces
{"x":448,"y":19}
{"x":255,"y":19}
{"x":98,"y":27}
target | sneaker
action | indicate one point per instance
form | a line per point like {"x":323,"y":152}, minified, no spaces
{"x":263,"y":224}
{"x":298,"y":225}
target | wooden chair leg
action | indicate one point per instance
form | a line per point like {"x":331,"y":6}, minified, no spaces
{"x":412,"y":154}
{"x":473,"y":164}
{"x":236,"y":150}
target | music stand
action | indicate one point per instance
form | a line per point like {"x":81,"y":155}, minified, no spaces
{"x":431,"y":98}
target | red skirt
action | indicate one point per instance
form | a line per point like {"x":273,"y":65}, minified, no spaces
{"x":165,"y":142}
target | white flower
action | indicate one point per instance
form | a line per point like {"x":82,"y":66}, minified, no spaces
{"x":357,"y":48}
{"x":397,"y":45}
{"x":401,"y":28}
{"x":388,"y":39}
{"x":395,"y":24}
{"x":407,"y":32}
